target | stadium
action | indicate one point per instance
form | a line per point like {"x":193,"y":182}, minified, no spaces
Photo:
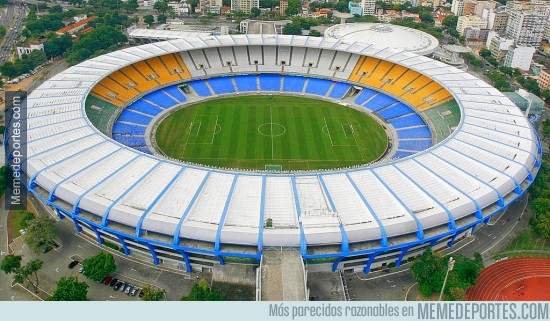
{"x":455,"y":151}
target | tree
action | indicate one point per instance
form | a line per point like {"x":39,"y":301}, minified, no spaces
{"x":457,"y":294}
{"x":40,"y":230}
{"x":202,"y":292}
{"x":293,"y":8}
{"x":450,"y":21}
{"x":149,"y":19}
{"x":161,"y":6}
{"x":58,"y":46}
{"x":454,"y":33}
{"x":485,"y":53}
{"x":255,"y":12}
{"x":342,"y":6}
{"x":70,"y":289}
{"x":293,"y":28}
{"x":427,"y":17}
{"x":29,"y":273}
{"x":314,"y":33}
{"x":11,"y":263}
{"x":161,"y":18}
{"x":429,"y":271}
{"x":99,"y":266}
{"x":130,"y":6}
{"x":152,"y":294}
{"x":56,"y":9}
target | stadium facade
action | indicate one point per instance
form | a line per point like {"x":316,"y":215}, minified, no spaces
{"x":462,"y":153}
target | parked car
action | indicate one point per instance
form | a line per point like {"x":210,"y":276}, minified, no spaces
{"x":107,"y":280}
{"x":140,"y":293}
{"x":81,"y":270}
{"x":129,"y":288}
{"x":117,"y":286}
{"x":113,"y":282}
{"x":73,"y":264}
{"x":122,"y":287}
{"x":134,"y":291}
{"x":46,"y":248}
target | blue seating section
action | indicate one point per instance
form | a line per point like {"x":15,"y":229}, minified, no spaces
{"x":145,"y":107}
{"x":365,"y":95}
{"x":200,"y":88}
{"x":175,"y":92}
{"x":270,"y":82}
{"x":379,"y":102}
{"x":293,"y":83}
{"x":412,"y":132}
{"x":130,"y":140}
{"x":133,"y":117}
{"x":122,"y":128}
{"x":246,"y":82}
{"x":395,"y":111}
{"x":221,"y":85}
{"x":417,"y":145}
{"x":339,"y":90}
{"x":317,"y":86}
{"x":144,"y":149}
{"x":401,"y":154}
{"x":407,"y":121}
{"x":160,"y":98}
{"x":417,"y":132}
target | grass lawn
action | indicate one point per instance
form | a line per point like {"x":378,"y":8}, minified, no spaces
{"x":290,"y":133}
{"x":527,"y":243}
{"x":17,"y":218}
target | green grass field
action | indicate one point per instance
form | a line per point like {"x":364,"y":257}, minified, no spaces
{"x":255,"y":132}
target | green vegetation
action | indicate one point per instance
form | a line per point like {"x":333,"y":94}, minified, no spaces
{"x":540,"y":201}
{"x":40,"y":230}
{"x":23,"y":65}
{"x":29,"y":272}
{"x":20,"y":220}
{"x":70,"y":289}
{"x":99,"y":266}
{"x":152,"y":294}
{"x":527,"y":243}
{"x":5,"y":173}
{"x":499,"y":80}
{"x":202,"y":292}
{"x":294,"y":132}
{"x":427,"y":27}
{"x":430,"y":268}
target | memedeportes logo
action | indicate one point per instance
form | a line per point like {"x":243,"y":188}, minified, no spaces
{"x":482,"y":311}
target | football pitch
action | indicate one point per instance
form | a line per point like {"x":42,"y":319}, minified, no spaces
{"x":274,"y":133}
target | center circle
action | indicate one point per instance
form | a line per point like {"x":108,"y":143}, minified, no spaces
{"x":272,"y":129}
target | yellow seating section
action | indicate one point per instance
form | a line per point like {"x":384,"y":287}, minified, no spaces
{"x":411,"y":86}
{"x":130,"y":81}
{"x":142,"y":84}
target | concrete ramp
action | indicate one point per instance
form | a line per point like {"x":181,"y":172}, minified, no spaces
{"x":282,"y":276}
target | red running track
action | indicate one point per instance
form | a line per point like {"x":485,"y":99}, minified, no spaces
{"x":522,"y":279}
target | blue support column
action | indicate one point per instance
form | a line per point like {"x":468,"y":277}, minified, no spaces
{"x":153,"y":253}
{"x":185,"y":256}
{"x":262,"y":216}
{"x":303,"y":242}
{"x":366,"y":270}
{"x":124,"y":245}
{"x":345,"y":244}
{"x":452,"y":241}
{"x":61,"y":216}
{"x":78,"y":228}
{"x":403,"y":253}
{"x":97,"y":234}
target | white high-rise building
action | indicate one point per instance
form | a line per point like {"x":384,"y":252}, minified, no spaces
{"x":368,"y":7}
{"x":244,"y":5}
{"x":527,"y":21}
{"x":519,"y":57}
{"x":457,"y":7}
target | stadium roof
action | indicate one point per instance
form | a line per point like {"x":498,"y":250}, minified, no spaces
{"x":385,"y":35}
{"x":486,"y":161}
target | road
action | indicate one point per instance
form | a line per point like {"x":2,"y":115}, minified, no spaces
{"x":19,"y":12}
